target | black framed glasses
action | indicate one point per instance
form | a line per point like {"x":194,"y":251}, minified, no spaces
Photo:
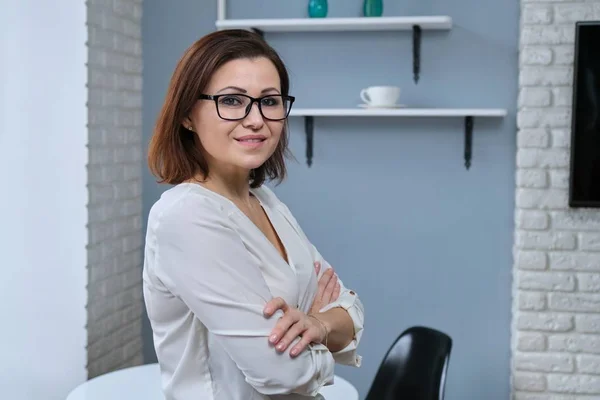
{"x":234,"y":107}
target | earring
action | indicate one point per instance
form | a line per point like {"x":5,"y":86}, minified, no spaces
{"x":190,"y":128}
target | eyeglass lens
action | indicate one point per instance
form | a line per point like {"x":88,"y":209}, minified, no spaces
{"x":237,"y":107}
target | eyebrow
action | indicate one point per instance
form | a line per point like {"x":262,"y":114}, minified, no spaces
{"x":271,"y":89}
{"x":239,"y":89}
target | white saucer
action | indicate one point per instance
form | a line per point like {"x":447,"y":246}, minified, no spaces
{"x":382,"y":107}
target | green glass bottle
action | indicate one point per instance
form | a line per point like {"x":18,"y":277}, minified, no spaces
{"x":317,"y":8}
{"x":373,"y":8}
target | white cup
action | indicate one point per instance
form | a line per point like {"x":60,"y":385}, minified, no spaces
{"x":380,"y":96}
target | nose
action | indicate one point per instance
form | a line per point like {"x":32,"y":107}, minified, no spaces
{"x":254,"y":119}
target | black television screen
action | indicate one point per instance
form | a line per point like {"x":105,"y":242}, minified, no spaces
{"x":584,"y":185}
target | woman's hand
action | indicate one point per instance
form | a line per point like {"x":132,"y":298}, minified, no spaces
{"x":328,"y":290}
{"x":294,"y":323}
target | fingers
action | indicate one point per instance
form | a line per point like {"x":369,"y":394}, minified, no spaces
{"x":317,"y":267}
{"x":295,"y":330}
{"x":312,"y":334}
{"x":336,"y":291}
{"x":323,"y":282}
{"x":283,"y":325}
{"x":273,"y":305}
{"x":307,"y":338}
{"x":328,"y":292}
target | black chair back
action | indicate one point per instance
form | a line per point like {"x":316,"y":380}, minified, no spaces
{"x":414,"y":367}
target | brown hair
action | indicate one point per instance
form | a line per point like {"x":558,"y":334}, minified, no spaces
{"x":175,"y":153}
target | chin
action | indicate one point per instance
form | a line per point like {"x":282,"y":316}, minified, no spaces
{"x":252,"y":162}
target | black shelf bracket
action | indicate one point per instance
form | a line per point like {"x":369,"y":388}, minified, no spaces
{"x":416,"y":52}
{"x":259,"y":31}
{"x":309,"y":129}
{"x":468,"y":141}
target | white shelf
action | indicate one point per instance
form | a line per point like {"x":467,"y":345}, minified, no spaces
{"x":467,"y":113}
{"x":338,"y":24}
{"x":398,"y":112}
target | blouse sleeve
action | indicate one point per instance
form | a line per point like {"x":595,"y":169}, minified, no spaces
{"x":348,"y":300}
{"x":203,"y":261}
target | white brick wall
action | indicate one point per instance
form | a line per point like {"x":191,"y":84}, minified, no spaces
{"x":115,"y":185}
{"x":556,"y":312}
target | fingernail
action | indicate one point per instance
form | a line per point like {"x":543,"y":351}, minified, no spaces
{"x":280,"y":346}
{"x":268,"y":310}
{"x":294,"y":352}
{"x":273,"y":338}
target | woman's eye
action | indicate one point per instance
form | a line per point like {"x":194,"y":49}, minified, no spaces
{"x":271,"y":101}
{"x":230,"y":101}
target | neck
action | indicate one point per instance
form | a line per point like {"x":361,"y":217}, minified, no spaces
{"x":233,"y":184}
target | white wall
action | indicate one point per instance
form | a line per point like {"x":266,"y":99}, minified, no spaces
{"x":43,"y":198}
{"x":556,"y":311}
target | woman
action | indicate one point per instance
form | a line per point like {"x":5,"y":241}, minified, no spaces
{"x":237,"y":309}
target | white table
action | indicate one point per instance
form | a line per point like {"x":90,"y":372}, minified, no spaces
{"x":143,"y":383}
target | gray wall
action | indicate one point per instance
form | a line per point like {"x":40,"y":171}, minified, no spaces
{"x":167,"y":31}
{"x":388,"y":200}
{"x":115,"y":305}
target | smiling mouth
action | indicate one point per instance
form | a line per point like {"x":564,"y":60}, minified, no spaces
{"x":258,"y":140}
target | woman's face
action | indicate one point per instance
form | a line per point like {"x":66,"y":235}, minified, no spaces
{"x":247,"y":143}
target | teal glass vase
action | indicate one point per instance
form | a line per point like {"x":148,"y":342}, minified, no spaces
{"x":373,"y":8}
{"x":317,"y":8}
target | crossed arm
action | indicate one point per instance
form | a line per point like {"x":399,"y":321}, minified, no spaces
{"x":204,"y":262}
{"x":337,"y":327}
{"x":340,"y":314}
{"x":223,"y":286}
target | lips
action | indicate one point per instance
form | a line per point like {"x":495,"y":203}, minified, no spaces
{"x":251,"y":139}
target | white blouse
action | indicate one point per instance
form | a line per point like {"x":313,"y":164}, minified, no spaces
{"x":208,"y":273}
